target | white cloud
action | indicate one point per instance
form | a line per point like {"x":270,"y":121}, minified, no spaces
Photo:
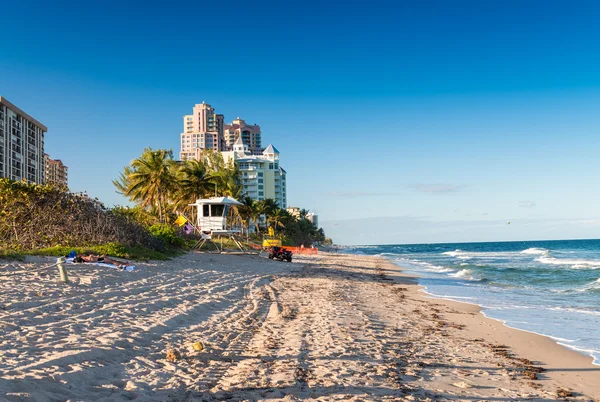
{"x":526,"y":204}
{"x":436,"y":188}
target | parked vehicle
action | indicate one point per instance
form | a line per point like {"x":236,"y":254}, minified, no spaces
{"x":280,"y":254}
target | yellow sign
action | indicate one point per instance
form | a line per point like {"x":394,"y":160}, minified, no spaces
{"x":271,"y":243}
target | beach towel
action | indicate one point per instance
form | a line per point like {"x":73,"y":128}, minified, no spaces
{"x":70,"y":260}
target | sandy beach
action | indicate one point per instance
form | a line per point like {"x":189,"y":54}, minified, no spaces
{"x":326,"y":327}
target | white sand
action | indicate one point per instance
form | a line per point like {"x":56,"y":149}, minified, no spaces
{"x":330,"y":327}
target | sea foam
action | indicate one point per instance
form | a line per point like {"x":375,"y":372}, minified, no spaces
{"x":574,"y":263}
{"x":466,"y":274}
{"x":535,"y":251}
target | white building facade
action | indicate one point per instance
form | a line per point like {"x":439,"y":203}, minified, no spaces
{"x":21,"y":145}
{"x":262,"y":176}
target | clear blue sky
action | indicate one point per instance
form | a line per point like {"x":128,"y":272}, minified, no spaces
{"x":446,"y":118}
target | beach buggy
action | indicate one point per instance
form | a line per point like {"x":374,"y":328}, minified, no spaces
{"x":280,"y":254}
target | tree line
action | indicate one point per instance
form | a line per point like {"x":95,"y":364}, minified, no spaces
{"x":161,"y":187}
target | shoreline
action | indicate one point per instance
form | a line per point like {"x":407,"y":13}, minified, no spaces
{"x":565,"y":366}
{"x":583,"y":352}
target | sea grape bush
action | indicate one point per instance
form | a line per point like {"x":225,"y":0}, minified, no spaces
{"x":167,"y":234}
{"x":36,"y":216}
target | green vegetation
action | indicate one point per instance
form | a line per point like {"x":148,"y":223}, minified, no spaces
{"x":45,"y":220}
{"x":291,"y":230}
{"x":161,"y":186}
{"x":49,"y":221}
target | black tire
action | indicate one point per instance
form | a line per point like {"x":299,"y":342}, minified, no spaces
{"x":289,"y":259}
{"x":270,"y":256}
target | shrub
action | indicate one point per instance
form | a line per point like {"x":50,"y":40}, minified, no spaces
{"x":34,"y":217}
{"x":167,"y":234}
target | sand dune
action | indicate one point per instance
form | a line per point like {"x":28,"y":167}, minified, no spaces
{"x":329,"y":327}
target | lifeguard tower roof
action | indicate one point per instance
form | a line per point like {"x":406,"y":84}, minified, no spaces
{"x":217,"y":201}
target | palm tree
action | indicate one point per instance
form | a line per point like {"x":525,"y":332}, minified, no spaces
{"x":149,"y":180}
{"x":247,"y":212}
{"x":279,"y":219}
{"x":193,"y":182}
{"x":225,"y":176}
{"x":227,"y":181}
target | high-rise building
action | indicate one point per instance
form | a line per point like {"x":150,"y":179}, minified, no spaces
{"x":21,"y":145}
{"x":250,"y":135}
{"x":203,"y":129}
{"x":262,"y":177}
{"x":313,"y":218}
{"x":56,"y":173}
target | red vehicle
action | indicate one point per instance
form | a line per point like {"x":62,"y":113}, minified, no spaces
{"x":280,"y":254}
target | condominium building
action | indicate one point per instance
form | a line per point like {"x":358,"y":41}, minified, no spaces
{"x":203,"y":129}
{"x":262,"y":176}
{"x":313,"y":218}
{"x":21,"y":145}
{"x":250,"y":135}
{"x":56,"y":173}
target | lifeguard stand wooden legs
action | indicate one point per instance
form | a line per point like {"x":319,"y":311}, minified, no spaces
{"x":218,"y":249}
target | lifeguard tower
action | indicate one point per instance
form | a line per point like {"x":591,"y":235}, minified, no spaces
{"x":212,"y":221}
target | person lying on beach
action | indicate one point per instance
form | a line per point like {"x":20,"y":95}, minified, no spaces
{"x":89,"y":257}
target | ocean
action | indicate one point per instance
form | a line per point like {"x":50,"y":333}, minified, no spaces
{"x":548,"y":287}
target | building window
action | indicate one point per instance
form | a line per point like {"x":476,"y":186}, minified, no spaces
{"x":270,"y":166}
{"x":261,"y":193}
{"x":261,"y":187}
{"x":260,"y":174}
{"x":261,"y":180}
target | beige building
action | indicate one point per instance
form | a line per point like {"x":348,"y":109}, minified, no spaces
{"x":21,"y":145}
{"x":56,"y":173}
{"x":262,"y":177}
{"x":250,"y":135}
{"x":203,"y":129}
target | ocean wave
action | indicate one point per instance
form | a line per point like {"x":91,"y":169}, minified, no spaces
{"x":422,"y":265}
{"x":574,"y":263}
{"x":467,"y":255}
{"x":575,"y":310}
{"x":436,"y":268}
{"x":454,"y":253}
{"x":466,"y":274}
{"x":595,"y":285}
{"x":536,"y":251}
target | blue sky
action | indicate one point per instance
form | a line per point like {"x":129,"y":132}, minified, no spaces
{"x":447,"y":119}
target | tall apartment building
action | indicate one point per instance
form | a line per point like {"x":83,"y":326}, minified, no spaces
{"x":56,"y":173}
{"x":21,"y":145}
{"x":250,"y":135}
{"x":262,"y":176}
{"x":203,"y":129}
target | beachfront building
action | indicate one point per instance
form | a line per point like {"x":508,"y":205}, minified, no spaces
{"x":262,"y":176}
{"x":56,"y":173}
{"x":203,"y":129}
{"x":250,"y":135}
{"x":294,"y":211}
{"x":313,"y":218}
{"x":21,"y":145}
